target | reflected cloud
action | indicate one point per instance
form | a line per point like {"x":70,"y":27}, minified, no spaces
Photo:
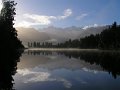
{"x":89,"y":70}
{"x":25,"y":72}
{"x":66,"y":83}
{"x":67,"y":70}
{"x":32,"y":76}
{"x":36,"y":76}
{"x":54,"y":61}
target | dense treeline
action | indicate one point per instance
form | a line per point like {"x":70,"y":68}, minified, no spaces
{"x":107,"y":39}
{"x":67,"y":44}
{"x":8,"y":34}
{"x":40,"y":45}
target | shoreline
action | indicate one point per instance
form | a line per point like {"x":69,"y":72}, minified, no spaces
{"x":61,"y":49}
{"x":70,"y":49}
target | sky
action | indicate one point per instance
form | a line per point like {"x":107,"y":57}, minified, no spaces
{"x":66,"y":13}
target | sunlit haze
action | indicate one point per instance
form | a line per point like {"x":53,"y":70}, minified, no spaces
{"x":0,"y":5}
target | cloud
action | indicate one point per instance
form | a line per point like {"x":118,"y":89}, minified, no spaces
{"x":26,"y":24}
{"x":45,"y":20}
{"x":81,"y":16}
{"x":35,"y":19}
{"x":67,"y":13}
{"x":89,"y":26}
{"x":41,"y":19}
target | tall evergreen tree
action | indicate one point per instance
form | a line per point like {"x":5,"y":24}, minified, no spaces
{"x":8,"y":34}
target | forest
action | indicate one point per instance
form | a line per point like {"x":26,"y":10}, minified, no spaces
{"x":107,"y":39}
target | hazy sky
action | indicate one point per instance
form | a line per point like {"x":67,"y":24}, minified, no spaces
{"x":64,"y":13}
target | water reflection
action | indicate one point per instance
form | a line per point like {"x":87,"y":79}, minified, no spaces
{"x":108,"y":60}
{"x":58,"y":70}
{"x":8,"y":67}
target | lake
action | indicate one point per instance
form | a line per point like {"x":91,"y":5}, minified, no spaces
{"x":68,"y":70}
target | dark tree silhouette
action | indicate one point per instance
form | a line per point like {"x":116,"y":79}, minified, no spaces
{"x":9,"y":45}
{"x":8,"y":34}
{"x":8,"y":67}
{"x":110,"y":38}
{"x":107,"y":39}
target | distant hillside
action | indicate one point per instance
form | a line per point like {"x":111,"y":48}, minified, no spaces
{"x":92,"y":30}
{"x":53,"y":34}
{"x":31,"y":35}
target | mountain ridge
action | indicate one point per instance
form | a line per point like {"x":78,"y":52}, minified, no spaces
{"x":54,"y":34}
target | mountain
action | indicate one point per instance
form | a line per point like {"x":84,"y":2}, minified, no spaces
{"x":53,"y":34}
{"x":30,"y":35}
{"x":92,"y":30}
{"x":62,"y":34}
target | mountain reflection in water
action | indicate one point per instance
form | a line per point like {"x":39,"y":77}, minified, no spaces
{"x":73,"y":70}
{"x":108,"y":60}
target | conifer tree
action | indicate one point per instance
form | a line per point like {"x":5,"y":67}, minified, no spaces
{"x":8,"y":34}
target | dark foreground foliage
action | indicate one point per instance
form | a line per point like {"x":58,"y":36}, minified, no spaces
{"x":8,"y":34}
{"x":11,"y":47}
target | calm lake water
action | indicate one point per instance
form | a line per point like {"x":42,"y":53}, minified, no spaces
{"x":68,"y":70}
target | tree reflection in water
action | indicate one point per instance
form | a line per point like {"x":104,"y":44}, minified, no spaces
{"x":108,"y":60}
{"x":8,"y":67}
